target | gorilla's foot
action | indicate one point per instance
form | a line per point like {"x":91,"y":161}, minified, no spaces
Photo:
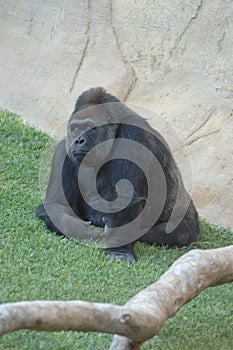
{"x":123,"y":256}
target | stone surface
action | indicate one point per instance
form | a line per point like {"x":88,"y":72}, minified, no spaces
{"x":53,"y":50}
{"x":203,"y":121}
{"x":174,"y":57}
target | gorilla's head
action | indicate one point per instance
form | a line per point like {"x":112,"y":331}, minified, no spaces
{"x":92,"y":123}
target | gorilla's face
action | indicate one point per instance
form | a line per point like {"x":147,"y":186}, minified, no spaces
{"x":87,"y":129}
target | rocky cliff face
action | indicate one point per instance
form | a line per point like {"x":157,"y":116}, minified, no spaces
{"x":174,"y":57}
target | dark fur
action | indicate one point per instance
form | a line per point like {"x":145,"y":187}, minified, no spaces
{"x":110,"y":173}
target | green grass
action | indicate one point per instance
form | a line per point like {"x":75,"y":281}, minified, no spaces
{"x":38,"y":265}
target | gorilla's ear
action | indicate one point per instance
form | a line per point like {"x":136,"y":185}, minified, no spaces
{"x":94,"y":96}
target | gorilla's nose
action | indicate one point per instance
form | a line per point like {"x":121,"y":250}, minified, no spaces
{"x":81,"y":140}
{"x":80,"y":147}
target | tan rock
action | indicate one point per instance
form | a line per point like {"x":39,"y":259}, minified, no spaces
{"x":174,"y":57}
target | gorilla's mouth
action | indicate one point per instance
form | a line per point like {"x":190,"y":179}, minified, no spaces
{"x":79,"y":154}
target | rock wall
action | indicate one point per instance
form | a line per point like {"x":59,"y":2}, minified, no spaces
{"x":172,"y":56}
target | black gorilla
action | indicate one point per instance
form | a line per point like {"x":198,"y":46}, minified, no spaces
{"x":72,"y":204}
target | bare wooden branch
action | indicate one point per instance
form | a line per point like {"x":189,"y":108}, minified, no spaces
{"x":123,"y":343}
{"x":185,"y":279}
{"x":141,"y":317}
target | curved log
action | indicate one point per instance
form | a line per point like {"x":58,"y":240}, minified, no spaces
{"x":141,"y":317}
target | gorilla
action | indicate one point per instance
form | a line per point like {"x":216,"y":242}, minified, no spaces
{"x":114,"y":179}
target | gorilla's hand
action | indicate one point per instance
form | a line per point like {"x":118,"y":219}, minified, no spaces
{"x":75,"y":228}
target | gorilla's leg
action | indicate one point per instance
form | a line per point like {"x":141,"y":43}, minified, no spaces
{"x":124,"y":253}
{"x":42,"y":214}
{"x":186,"y":232}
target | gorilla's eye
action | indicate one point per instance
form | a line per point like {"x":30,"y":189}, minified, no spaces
{"x":73,"y":128}
{"x":90,"y":127}
{"x":81,"y":126}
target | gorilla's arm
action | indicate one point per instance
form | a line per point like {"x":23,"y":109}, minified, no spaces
{"x":186,"y":232}
{"x":55,"y":210}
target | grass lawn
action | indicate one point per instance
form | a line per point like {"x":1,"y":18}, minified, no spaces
{"x":36,"y":264}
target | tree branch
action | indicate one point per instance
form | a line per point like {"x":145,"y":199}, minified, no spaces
{"x":141,"y":317}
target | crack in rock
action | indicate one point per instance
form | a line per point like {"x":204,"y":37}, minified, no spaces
{"x":84,"y":50}
{"x":201,"y":137}
{"x":201,"y":125}
{"x":180,"y":37}
{"x":221,"y":40}
{"x":124,"y":60}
